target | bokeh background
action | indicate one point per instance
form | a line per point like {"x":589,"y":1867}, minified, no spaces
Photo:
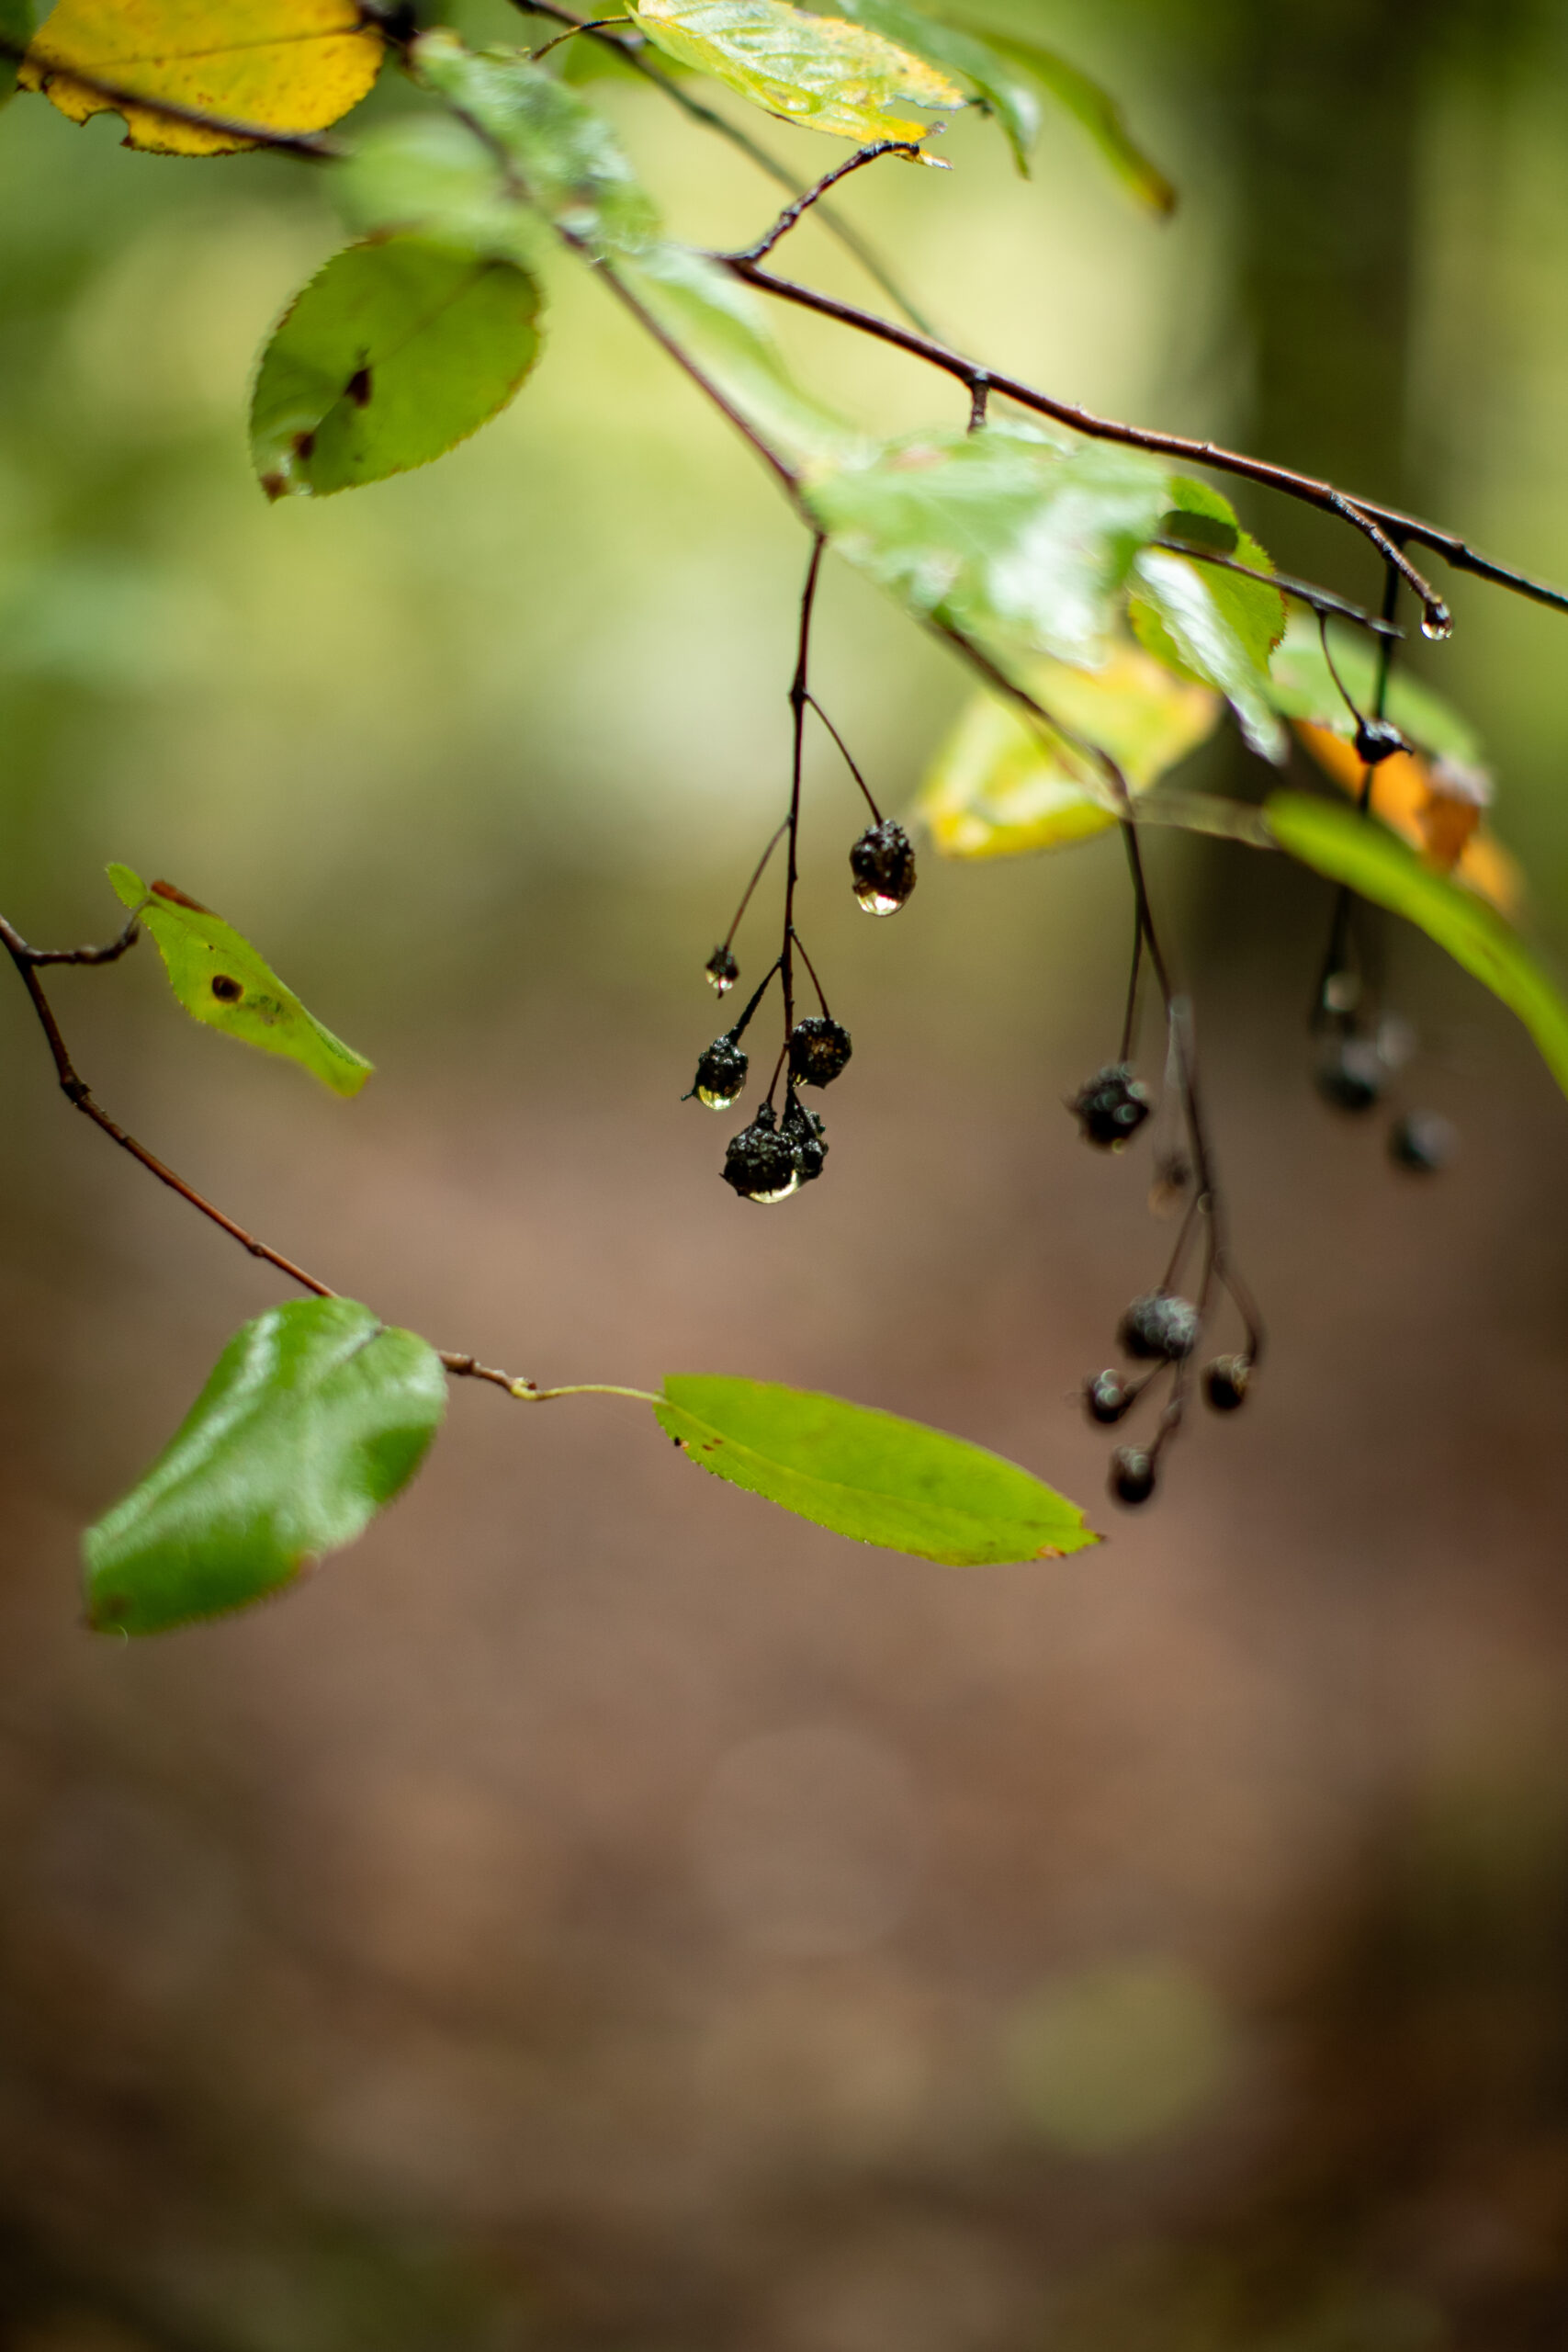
{"x":600,"y":1913}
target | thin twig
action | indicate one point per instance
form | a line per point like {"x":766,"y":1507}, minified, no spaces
{"x":1320,"y":601}
{"x":632,"y":53}
{"x":848,"y":757}
{"x":1382,"y":525}
{"x":799,"y":695}
{"x":802,"y":203}
{"x":116,"y":948}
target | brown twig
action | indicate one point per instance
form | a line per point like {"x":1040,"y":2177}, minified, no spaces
{"x":804,"y":202}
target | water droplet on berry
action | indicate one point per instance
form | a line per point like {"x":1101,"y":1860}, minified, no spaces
{"x":721,"y":1074}
{"x":1107,"y":1396}
{"x":1424,"y":1142}
{"x":759,"y":1164}
{"x":881,"y":864}
{"x":1110,"y":1106}
{"x":723,"y":970}
{"x":818,"y":1049}
{"x":1132,"y":1475}
{"x":1160,"y":1325}
{"x":1224,"y":1382}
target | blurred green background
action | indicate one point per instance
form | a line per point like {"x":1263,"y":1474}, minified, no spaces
{"x":599,"y":1914}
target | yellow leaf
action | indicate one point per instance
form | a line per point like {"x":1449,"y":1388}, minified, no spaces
{"x":289,"y":65}
{"x":1434,"y":805}
{"x":999,"y":787}
{"x":821,"y":72}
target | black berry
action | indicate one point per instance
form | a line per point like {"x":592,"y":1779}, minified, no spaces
{"x":761,"y":1163}
{"x":1224,"y":1382}
{"x":1132,"y":1475}
{"x":883,"y":864}
{"x":721,"y":970}
{"x":1107,"y":1396}
{"x":803,"y":1132}
{"x":1423,"y":1141}
{"x":1377,"y":740}
{"x":721,"y":1074}
{"x":1160,"y":1325}
{"x":1110,"y":1106}
{"x":818,"y":1049}
{"x":1351,"y":1075}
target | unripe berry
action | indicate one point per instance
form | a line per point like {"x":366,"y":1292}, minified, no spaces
{"x":721,"y":1074}
{"x":1132,"y":1475}
{"x":1160,"y":1325}
{"x":818,"y":1049}
{"x":1423,"y":1141}
{"x":883,"y":864}
{"x":759,"y":1163}
{"x":723,"y":970}
{"x":1224,"y":1382}
{"x":1351,"y":1074}
{"x":1110,"y":1106}
{"x":1107,"y":1396}
{"x":1377,"y":740}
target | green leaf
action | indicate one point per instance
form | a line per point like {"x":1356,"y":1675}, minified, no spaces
{"x":999,"y":787}
{"x":431,"y":175}
{"x":550,"y":146}
{"x":822,"y":72}
{"x":17,"y":19}
{"x":1009,"y":93}
{"x":1304,"y":689}
{"x":315,"y":1415}
{"x":220,"y":979}
{"x":1357,"y":851}
{"x":393,"y":353}
{"x":869,"y":1475}
{"x":1019,"y":544}
{"x":1098,"y":113}
{"x":1209,"y":623}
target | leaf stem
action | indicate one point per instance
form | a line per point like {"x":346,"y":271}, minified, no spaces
{"x":804,"y":202}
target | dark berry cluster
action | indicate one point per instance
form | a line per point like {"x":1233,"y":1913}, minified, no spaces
{"x":1359,"y":1061}
{"x":1110,"y":1106}
{"x":772,"y":1157}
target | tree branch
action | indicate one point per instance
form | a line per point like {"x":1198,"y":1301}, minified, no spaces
{"x":802,"y":203}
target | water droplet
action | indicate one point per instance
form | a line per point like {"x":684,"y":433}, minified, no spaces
{"x":876,"y":903}
{"x":714,"y":1099}
{"x":1438,"y":623}
{"x":766,"y":1200}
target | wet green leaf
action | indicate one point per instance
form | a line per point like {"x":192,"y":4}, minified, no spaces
{"x":395,"y":351}
{"x":1210,"y":623}
{"x":1009,"y":92}
{"x":1098,"y":113}
{"x":220,"y":979}
{"x":315,"y":1415}
{"x":824,"y":72}
{"x":1304,"y":689}
{"x":1000,"y":786}
{"x":1353,"y":849}
{"x":558,"y":152}
{"x":1019,"y":543}
{"x":869,"y":1475}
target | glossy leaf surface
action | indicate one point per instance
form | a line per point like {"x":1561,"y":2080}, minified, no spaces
{"x":395,"y":351}
{"x":220,"y":979}
{"x":1099,"y":115}
{"x":1016,"y":542}
{"x":999,"y":787}
{"x":1211,"y":623}
{"x":825,"y":72}
{"x":281,"y":65}
{"x":562,"y":155}
{"x":869,"y":1475}
{"x":1007,"y":90}
{"x":315,"y":1415}
{"x":1352,"y":849}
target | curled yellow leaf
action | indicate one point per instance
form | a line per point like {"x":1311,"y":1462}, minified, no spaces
{"x":284,"y":65}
